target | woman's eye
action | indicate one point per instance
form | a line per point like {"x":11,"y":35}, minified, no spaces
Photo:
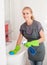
{"x":23,"y":13}
{"x":27,"y":13}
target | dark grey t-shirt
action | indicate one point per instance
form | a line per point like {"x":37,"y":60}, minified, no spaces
{"x":31,"y":32}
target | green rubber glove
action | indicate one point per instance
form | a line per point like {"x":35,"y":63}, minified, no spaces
{"x":17,"y":48}
{"x":32,"y":43}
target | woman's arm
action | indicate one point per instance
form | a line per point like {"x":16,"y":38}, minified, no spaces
{"x":19,"y":39}
{"x":42,"y":36}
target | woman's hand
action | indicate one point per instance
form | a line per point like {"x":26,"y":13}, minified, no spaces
{"x":17,"y":48}
{"x":32,"y":43}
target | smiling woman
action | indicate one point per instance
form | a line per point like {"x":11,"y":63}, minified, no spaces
{"x":27,"y":14}
{"x":30,"y":28}
{"x":33,"y":31}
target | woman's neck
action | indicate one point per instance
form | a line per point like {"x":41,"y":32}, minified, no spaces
{"x":29,"y":22}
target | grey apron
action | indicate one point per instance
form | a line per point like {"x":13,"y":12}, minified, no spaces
{"x":31,"y":33}
{"x":39,"y":56}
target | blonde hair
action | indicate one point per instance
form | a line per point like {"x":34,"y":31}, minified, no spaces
{"x":32,"y":17}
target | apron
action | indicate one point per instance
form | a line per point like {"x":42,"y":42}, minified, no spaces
{"x":40,"y":50}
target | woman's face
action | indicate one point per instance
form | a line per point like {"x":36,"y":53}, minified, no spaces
{"x":27,"y":14}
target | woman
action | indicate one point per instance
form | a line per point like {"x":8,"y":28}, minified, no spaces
{"x":32,"y":30}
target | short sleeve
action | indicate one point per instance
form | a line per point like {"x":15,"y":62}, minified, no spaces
{"x":40,"y":27}
{"x":21,"y":29}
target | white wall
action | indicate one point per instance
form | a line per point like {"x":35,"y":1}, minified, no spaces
{"x":15,"y":17}
{"x":3,"y":60}
{"x":7,"y":10}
